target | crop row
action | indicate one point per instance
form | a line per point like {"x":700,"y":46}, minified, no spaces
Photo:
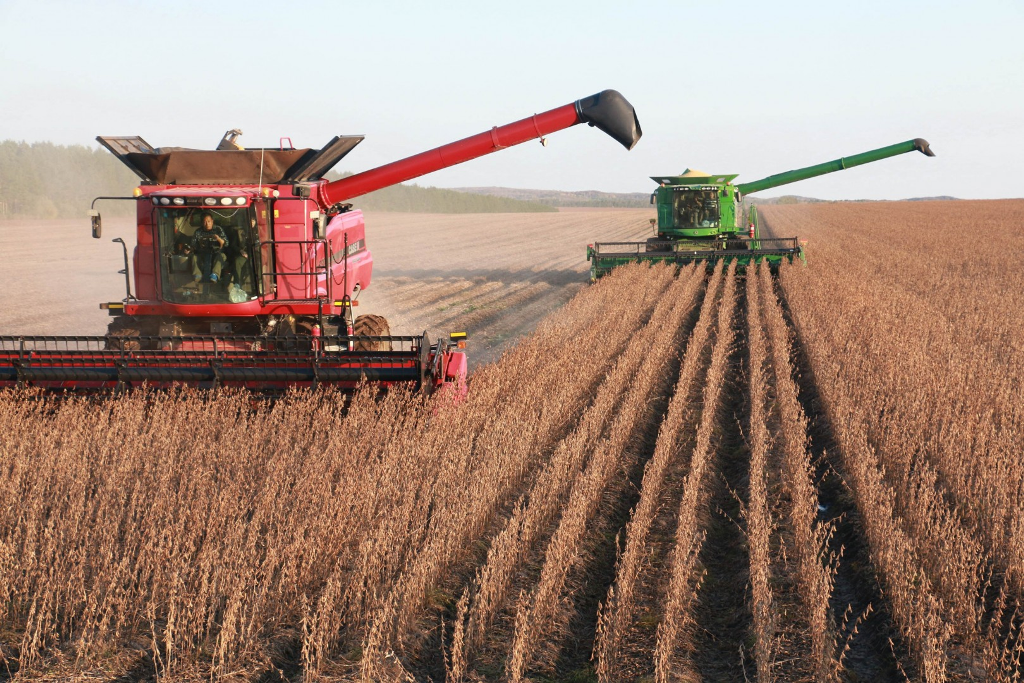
{"x":920,"y":377}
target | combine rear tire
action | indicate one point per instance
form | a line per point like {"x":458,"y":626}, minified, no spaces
{"x":371,"y":326}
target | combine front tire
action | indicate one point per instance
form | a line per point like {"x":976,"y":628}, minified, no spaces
{"x":656,"y":244}
{"x":371,"y":326}
{"x":122,"y":335}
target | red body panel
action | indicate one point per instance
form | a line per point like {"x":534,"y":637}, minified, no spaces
{"x":301,"y":277}
{"x":82,"y":363}
{"x":251,"y":362}
{"x":456,"y":368}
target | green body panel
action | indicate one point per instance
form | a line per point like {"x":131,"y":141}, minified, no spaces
{"x":743,"y":249}
{"x":701,"y":217}
{"x":703,"y":209}
{"x":676,"y":193}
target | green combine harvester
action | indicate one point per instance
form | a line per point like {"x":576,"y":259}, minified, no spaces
{"x":701,"y":217}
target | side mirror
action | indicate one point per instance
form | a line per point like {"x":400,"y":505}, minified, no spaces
{"x":319,"y":224}
{"x":97,"y":224}
{"x":653,"y":196}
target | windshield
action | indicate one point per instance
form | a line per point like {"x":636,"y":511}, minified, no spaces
{"x":697,"y":209}
{"x":206,"y":255}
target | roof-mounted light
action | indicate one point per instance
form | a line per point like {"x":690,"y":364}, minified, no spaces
{"x":210,"y":201}
{"x":179,"y":201}
{"x":240,"y":201}
{"x":226,"y":201}
{"x":165,"y":201}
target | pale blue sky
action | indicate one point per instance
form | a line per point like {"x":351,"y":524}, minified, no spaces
{"x":743,"y":87}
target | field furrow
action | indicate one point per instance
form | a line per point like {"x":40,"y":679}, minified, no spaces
{"x":719,"y":474}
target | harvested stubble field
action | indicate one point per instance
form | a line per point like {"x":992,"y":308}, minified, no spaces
{"x":687,"y":475}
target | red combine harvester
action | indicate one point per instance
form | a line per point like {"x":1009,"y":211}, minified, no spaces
{"x":248,"y":264}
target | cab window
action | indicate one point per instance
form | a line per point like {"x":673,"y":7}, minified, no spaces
{"x":207,"y":255}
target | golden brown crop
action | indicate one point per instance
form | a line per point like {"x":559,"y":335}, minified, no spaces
{"x":631,"y":492}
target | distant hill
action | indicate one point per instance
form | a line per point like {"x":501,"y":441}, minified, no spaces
{"x":415,"y":199}
{"x":638,"y":200}
{"x":585,"y":198}
{"x":786,"y":199}
{"x":796,"y":199}
{"x":44,"y":180}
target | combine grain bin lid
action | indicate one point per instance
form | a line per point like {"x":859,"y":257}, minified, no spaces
{"x":183,"y":166}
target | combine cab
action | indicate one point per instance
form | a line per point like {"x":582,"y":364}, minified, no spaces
{"x":701,"y":217}
{"x":248,"y":265}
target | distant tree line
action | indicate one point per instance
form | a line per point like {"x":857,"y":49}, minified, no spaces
{"x":413,"y":198}
{"x":556,"y":198}
{"x":44,"y":180}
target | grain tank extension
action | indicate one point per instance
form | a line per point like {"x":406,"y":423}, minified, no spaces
{"x":248,"y":264}
{"x":701,"y":217}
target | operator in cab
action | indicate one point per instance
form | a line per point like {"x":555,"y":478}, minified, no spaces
{"x":240,"y":270}
{"x":208,"y":247}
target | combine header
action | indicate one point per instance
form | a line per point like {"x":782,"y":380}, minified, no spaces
{"x":248,"y":265}
{"x":700,"y":217}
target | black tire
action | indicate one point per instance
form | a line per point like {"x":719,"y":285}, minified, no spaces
{"x":122,"y":333}
{"x":371,"y":326}
{"x":294,"y":335}
{"x":652,"y":245}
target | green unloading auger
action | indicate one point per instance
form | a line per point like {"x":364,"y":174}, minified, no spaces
{"x":841,"y":164}
{"x":701,"y":218}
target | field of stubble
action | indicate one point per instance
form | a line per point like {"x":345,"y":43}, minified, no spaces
{"x":678,"y":475}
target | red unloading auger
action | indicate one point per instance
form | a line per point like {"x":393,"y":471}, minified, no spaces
{"x":608,"y":110}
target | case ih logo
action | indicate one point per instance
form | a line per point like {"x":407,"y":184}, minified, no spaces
{"x":340,"y":254}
